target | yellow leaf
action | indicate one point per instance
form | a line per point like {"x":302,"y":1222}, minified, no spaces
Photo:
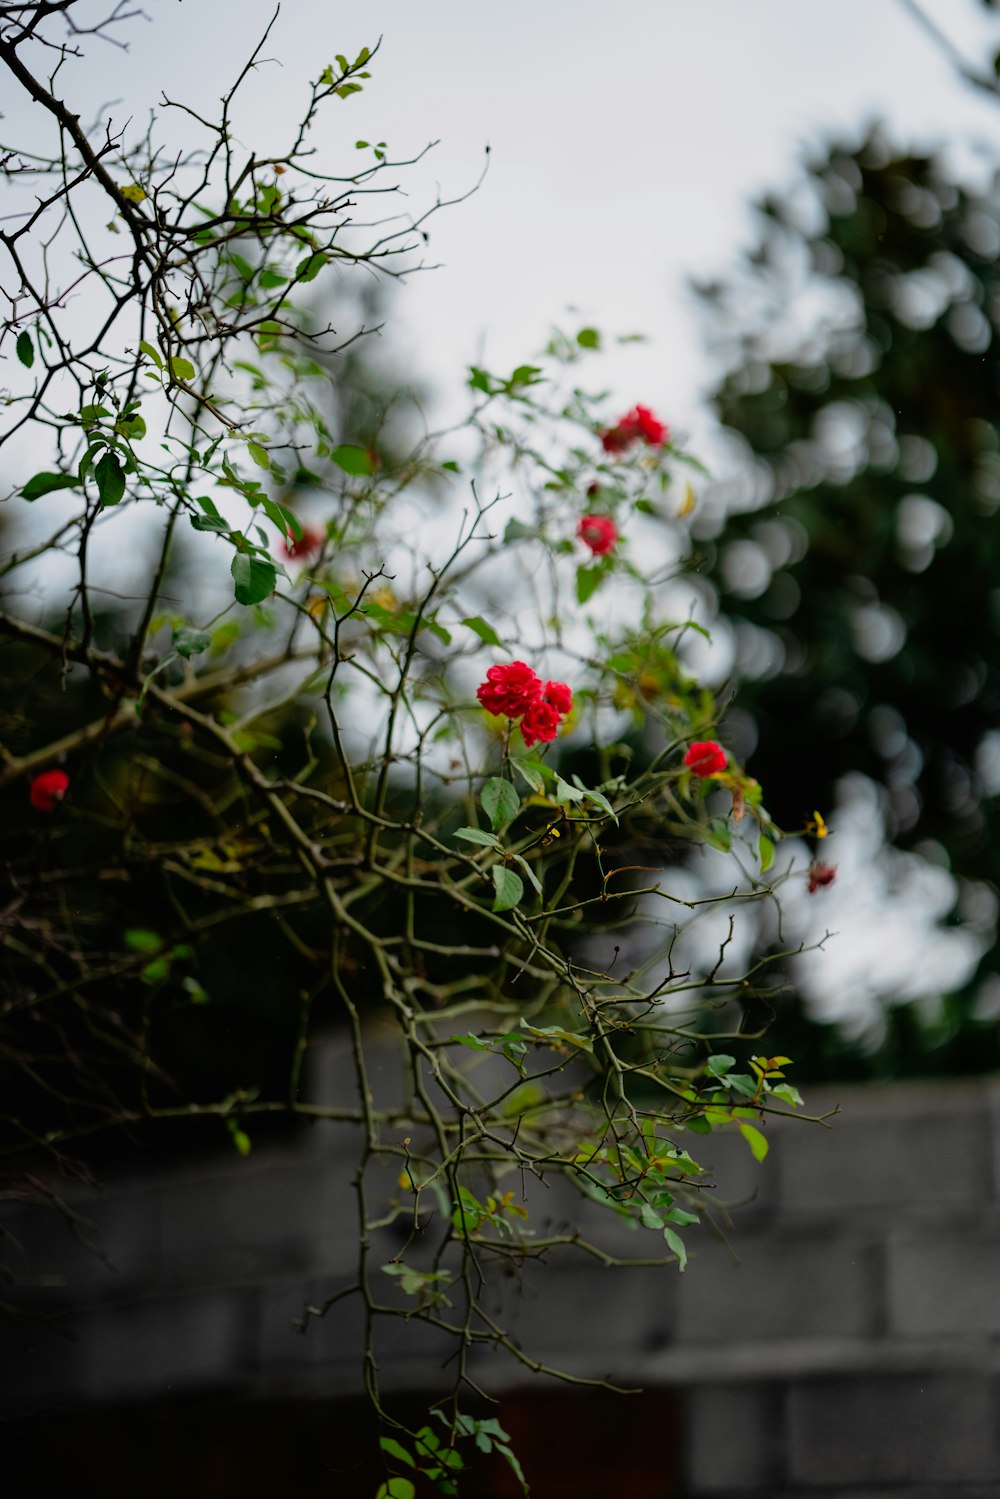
{"x":134,"y":193}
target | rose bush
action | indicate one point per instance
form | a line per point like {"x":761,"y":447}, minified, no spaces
{"x":312,"y":746}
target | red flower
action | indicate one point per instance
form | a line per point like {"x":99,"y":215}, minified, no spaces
{"x":706,"y":758}
{"x":598,"y":532}
{"x":651,"y":429}
{"x":509,"y":690}
{"x":541,"y":722}
{"x":820,"y":875}
{"x":559,"y":695}
{"x":310,"y":543}
{"x":639,"y":423}
{"x":48,"y":789}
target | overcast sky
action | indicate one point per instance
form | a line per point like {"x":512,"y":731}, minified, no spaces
{"x":625,"y":141}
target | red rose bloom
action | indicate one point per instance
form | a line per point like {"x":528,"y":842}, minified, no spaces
{"x":540,"y":723}
{"x":48,"y":789}
{"x":599,"y":533}
{"x":559,"y":695}
{"x":310,"y":543}
{"x":639,"y":423}
{"x":617,"y":439}
{"x":650,"y":428}
{"x":706,"y":758}
{"x":820,"y":875}
{"x":509,"y":690}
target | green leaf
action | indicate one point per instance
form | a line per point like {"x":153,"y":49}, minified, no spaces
{"x":151,"y":353}
{"x":353,"y":460}
{"x":473,"y":1042}
{"x":393,"y":1448}
{"x":499,"y":801}
{"x":599,"y":800}
{"x":788,"y":1094}
{"x":756,"y":1141}
{"x":566,"y":793}
{"x":259,"y":455}
{"x":91,"y":414}
{"x":45,"y":483}
{"x":210,"y":523}
{"x":188,"y":642}
{"x":509,"y":888}
{"x":719,"y":1064}
{"x":649,"y":1217}
{"x":141,"y":939}
{"x":526,"y":374}
{"x":240,"y":1138}
{"x":431,"y":622}
{"x":588,"y":338}
{"x":476,"y":835}
{"x":718,"y":835}
{"x":517,"y":531}
{"x":25,"y":350}
{"x":532,"y":876}
{"x":110,"y":478}
{"x":255,"y":580}
{"x":677,"y":1245}
{"x":133,"y":427}
{"x":559,"y":1033}
{"x":766,"y":853}
{"x":485,"y":631}
{"x":181,"y":369}
{"x":588,"y":580}
{"x":310,"y":266}
{"x":742,"y":1082}
{"x":480,"y":379}
{"x":533,"y":773}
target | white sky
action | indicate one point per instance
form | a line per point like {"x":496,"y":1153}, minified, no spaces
{"x":625,"y":142}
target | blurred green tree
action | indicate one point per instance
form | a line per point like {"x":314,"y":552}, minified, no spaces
{"x":857,"y":558}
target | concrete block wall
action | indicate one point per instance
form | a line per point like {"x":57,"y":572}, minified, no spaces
{"x":845,"y":1345}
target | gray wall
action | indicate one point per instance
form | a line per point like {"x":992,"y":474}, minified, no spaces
{"x":847,"y":1343}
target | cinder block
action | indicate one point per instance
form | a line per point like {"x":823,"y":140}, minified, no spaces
{"x":945,"y":1285}
{"x":906,"y":1147}
{"x":734,"y":1440}
{"x":789,"y":1288}
{"x":745,"y":1188}
{"x":588,"y":1318}
{"x":930,"y":1429}
{"x":332,"y":1343}
{"x":330,"y":1077}
{"x":43,"y":1368}
{"x":111,"y":1245}
{"x":252,"y":1220}
{"x":327,"y":1357}
{"x":165,"y":1348}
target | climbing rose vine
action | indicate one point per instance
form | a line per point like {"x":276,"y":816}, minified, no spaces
{"x":293,"y":827}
